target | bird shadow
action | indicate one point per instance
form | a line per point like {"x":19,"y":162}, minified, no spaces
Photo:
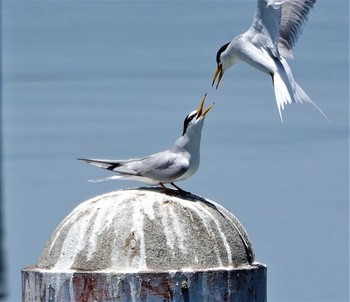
{"x":180,"y":194}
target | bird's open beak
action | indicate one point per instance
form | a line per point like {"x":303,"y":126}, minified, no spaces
{"x":218,"y":72}
{"x":202,"y":113}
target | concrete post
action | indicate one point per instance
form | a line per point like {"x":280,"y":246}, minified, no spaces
{"x":144,"y":245}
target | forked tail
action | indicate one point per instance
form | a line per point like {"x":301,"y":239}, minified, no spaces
{"x":287,"y":90}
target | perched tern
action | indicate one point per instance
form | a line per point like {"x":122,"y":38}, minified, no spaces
{"x":175,"y":164}
{"x":266,"y":46}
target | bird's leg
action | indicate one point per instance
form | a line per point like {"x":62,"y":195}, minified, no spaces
{"x":164,"y":187}
{"x":179,"y":189}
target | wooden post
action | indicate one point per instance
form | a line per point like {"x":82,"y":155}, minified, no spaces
{"x":144,"y":245}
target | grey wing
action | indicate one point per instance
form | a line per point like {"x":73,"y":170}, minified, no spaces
{"x":266,"y":24}
{"x":294,"y":15}
{"x":163,"y":167}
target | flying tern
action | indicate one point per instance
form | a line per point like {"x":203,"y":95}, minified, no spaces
{"x":175,"y":164}
{"x":266,"y":46}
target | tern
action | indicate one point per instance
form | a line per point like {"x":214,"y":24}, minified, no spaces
{"x":175,"y":164}
{"x":267,"y":44}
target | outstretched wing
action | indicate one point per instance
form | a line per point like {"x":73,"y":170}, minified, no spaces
{"x":278,"y":24}
{"x":293,"y":16}
{"x":266,"y":24}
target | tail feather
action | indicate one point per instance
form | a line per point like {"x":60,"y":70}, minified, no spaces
{"x":118,"y":166}
{"x":105,"y":179}
{"x":282,"y":93}
{"x":287,"y":90}
{"x":302,"y":97}
{"x":102,"y":163}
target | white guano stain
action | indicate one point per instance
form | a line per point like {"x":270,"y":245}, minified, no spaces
{"x":207,"y":217}
{"x":137,"y":218}
{"x":177,"y":230}
{"x":172,"y":229}
{"x":236,"y":224}
{"x":221,"y":233}
{"x":148,"y":209}
{"x":102,"y":221}
{"x":163,"y":213}
{"x":72,"y":244}
{"x":96,"y":212}
{"x":68,"y":220}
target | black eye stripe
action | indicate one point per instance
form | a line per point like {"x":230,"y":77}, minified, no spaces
{"x":187,"y":120}
{"x":221,"y":50}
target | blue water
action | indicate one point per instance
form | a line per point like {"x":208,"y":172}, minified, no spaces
{"x":115,"y":80}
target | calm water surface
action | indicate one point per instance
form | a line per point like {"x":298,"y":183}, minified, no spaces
{"x":115,"y":80}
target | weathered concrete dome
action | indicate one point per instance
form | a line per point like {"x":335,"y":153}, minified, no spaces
{"x":145,"y":229}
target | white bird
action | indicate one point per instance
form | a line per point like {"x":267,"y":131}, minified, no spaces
{"x":266,"y":46}
{"x":175,"y":164}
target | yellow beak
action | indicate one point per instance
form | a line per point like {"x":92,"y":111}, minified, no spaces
{"x":218,"y":72}
{"x":202,"y":113}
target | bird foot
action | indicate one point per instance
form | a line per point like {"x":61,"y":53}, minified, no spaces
{"x":180,"y":190}
{"x":171,"y":191}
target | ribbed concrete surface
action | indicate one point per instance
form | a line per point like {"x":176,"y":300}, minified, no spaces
{"x":143,"y":229}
